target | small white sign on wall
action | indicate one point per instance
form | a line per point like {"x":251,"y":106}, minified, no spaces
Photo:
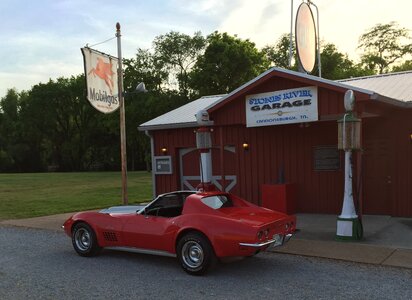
{"x":163,"y":165}
{"x":297,"y":105}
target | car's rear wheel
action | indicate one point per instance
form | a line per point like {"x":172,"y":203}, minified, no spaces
{"x":195,"y":253}
{"x":84,"y":240}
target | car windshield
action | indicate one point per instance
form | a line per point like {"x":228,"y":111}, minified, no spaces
{"x":217,"y":201}
{"x":167,"y":205}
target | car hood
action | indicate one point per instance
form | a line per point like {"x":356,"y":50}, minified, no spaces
{"x":252,"y":216}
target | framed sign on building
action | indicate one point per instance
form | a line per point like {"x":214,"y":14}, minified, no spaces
{"x":326,"y":158}
{"x":163,"y":165}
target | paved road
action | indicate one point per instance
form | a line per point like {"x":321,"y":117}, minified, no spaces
{"x":41,"y":264}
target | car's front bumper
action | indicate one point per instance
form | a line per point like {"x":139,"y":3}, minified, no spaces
{"x":278,"y":240}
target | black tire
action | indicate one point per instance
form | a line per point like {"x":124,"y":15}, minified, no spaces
{"x":195,"y":253}
{"x":84,"y":240}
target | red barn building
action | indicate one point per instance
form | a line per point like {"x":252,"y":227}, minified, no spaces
{"x":282,"y":127}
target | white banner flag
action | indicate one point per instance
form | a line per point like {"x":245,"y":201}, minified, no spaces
{"x":101,"y":80}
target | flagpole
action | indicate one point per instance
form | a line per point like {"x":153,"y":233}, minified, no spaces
{"x":122,"y":118}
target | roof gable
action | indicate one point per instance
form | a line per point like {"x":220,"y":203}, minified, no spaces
{"x":293,"y":75}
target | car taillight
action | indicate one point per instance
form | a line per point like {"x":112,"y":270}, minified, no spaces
{"x":289,"y":225}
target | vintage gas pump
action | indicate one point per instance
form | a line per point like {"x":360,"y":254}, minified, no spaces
{"x":349,"y":226}
{"x":204,"y":145}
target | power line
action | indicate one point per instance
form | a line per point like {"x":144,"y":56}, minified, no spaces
{"x":87,"y":45}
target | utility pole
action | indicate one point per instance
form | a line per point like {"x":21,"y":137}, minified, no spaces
{"x":122,"y":118}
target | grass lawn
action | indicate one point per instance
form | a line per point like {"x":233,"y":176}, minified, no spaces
{"x":39,"y":194}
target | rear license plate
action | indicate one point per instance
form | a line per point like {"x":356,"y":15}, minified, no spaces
{"x":278,"y":240}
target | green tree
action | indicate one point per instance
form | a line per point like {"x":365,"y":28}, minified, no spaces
{"x":60,"y":124}
{"x":19,"y":148}
{"x":336,"y":65}
{"x":406,"y":66}
{"x":9,"y":122}
{"x":278,"y":54}
{"x":383,"y":45}
{"x":145,"y":67}
{"x":228,"y":62}
{"x":179,"y":52}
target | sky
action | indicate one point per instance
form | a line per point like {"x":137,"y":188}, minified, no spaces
{"x":41,"y":40}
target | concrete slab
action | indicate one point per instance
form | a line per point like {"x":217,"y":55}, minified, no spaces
{"x":337,"y":250}
{"x":53,"y":222}
{"x":378,"y":230}
{"x":400,"y":258}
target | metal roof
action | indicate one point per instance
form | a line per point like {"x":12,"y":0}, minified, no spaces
{"x":180,"y":117}
{"x":397,"y":86}
{"x":394,"y":88}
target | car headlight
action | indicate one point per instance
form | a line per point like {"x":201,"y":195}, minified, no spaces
{"x":260,"y":235}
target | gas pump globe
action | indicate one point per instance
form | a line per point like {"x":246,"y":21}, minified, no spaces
{"x":203,"y":138}
{"x":349,"y":226}
{"x":349,"y":132}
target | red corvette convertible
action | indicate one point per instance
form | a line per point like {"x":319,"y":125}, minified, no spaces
{"x":198,"y":228}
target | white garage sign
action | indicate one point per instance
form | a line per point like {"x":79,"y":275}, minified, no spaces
{"x":298,"y":105}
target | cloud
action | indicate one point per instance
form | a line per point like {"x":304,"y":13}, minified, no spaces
{"x":343,"y":22}
{"x":262,"y":23}
{"x":209,"y":7}
{"x":23,"y":78}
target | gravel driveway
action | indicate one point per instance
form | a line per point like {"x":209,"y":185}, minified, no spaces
{"x":41,"y":264}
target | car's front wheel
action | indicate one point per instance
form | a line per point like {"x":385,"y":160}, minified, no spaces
{"x":195,"y":253}
{"x":84,"y":240}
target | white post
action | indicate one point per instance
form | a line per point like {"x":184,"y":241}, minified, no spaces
{"x":349,"y":226}
{"x":348,"y":208}
{"x":206,"y":167}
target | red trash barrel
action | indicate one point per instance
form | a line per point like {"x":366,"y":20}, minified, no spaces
{"x":279,"y":197}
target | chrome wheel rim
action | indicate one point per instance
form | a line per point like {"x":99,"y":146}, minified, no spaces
{"x":192,"y":254}
{"x":82,"y":239}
